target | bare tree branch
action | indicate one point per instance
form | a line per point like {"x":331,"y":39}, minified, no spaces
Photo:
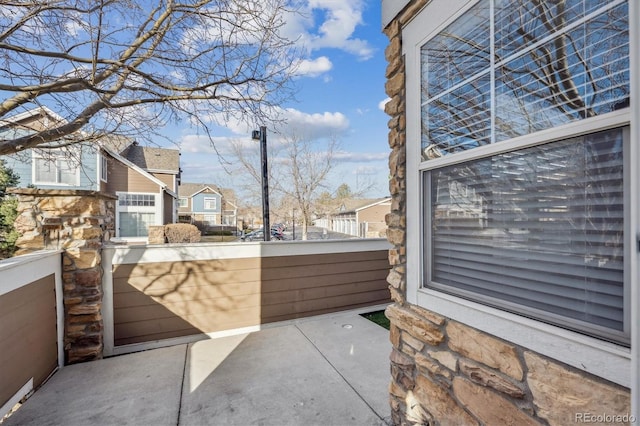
{"x":92,"y":62}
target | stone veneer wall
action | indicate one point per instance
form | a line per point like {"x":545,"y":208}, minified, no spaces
{"x":77,"y":222}
{"x":448,"y":373}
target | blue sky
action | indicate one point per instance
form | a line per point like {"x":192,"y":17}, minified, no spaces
{"x":341,"y":92}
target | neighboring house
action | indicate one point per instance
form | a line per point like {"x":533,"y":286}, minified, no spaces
{"x":50,"y":169}
{"x":364,"y":218}
{"x":144,"y":179}
{"x":514,"y":174}
{"x":206,"y":206}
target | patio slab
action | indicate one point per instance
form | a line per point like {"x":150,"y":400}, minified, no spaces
{"x":326,"y":370}
{"x":135,"y":389}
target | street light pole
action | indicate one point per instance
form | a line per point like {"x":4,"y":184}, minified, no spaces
{"x":262,"y":136}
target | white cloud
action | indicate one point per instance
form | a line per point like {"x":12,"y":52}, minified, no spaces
{"x":203,"y":145}
{"x":289,"y":121}
{"x":369,"y":171}
{"x":337,"y":23}
{"x":199,"y":171}
{"x":73,"y":28}
{"x":313,"y":67}
{"x":361,"y":157}
{"x":382,"y":103}
{"x":342,"y":18}
{"x":231,"y":120}
{"x":312,"y":126}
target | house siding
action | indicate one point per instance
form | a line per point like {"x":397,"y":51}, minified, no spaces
{"x":197,"y":203}
{"x":169,"y":208}
{"x":374,"y":213}
{"x":167,"y":179}
{"x":169,"y":299}
{"x":89,"y":180}
{"x":125,"y":179}
{"x":372,"y":220}
{"x":27,"y":336}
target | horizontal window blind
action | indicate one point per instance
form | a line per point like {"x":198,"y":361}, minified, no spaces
{"x":544,"y":64}
{"x":576,"y":74}
{"x":539,"y":230}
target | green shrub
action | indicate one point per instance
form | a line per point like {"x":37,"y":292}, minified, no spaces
{"x":182,"y":233}
{"x":218,"y":233}
{"x":8,"y":234}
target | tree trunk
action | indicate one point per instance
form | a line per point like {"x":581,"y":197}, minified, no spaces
{"x":305,"y":225}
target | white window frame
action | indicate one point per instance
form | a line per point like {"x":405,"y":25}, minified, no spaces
{"x":156,"y":209}
{"x":210,"y":219}
{"x":185,"y":204}
{"x":59,"y":155}
{"x":104,"y":174}
{"x":607,"y":360}
{"x":212,"y":200}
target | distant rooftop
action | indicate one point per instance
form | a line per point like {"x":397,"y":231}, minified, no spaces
{"x":153,"y":159}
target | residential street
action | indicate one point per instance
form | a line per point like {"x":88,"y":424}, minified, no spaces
{"x":315,"y":233}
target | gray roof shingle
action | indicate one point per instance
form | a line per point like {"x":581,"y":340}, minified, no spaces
{"x":156,"y":159}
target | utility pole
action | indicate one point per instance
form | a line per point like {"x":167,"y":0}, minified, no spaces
{"x":261,"y":135}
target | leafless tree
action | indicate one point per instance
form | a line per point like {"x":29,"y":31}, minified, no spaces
{"x":307,"y":168}
{"x":123,"y":67}
{"x":297,"y":168}
{"x":243,"y":164}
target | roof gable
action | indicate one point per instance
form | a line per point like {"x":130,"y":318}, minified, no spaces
{"x":136,"y":168}
{"x":193,"y":189}
{"x":34,"y":120}
{"x":354,"y":205}
{"x":153,"y":159}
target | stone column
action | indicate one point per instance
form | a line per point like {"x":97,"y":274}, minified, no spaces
{"x":77,"y":222}
{"x":396,"y":219}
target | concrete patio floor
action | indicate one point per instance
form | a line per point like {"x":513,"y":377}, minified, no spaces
{"x":325,"y":370}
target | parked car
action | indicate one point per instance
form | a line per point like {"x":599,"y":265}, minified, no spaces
{"x":280,"y":227}
{"x":258,"y":235}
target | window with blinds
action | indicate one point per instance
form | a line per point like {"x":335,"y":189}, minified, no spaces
{"x":508,"y":68}
{"x":540,"y":229}
{"x":537,"y":230}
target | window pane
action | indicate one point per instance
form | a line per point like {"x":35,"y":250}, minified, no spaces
{"x":137,"y":200}
{"x":578,"y":74}
{"x":458,"y":120}
{"x":210,"y":203}
{"x":553,"y":63}
{"x":103,"y":168}
{"x":458,"y":52}
{"x":520,"y":23}
{"x":133,"y":224}
{"x":45,"y":171}
{"x":536,"y":231}
{"x":67,"y":172}
{"x":607,"y":52}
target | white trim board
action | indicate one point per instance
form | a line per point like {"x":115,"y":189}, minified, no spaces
{"x":19,"y":271}
{"x":203,"y":251}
